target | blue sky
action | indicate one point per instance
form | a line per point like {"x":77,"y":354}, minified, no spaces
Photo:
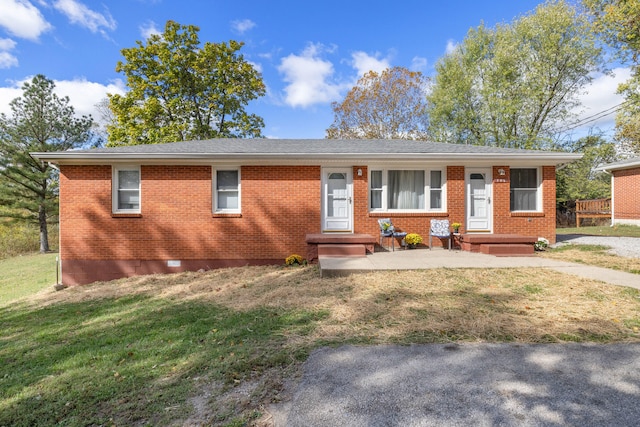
{"x":310,"y":53}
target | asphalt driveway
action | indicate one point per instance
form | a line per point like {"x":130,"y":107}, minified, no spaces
{"x":467,"y":384}
{"x":472,"y":384}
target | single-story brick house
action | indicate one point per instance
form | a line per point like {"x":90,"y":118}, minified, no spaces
{"x":229,"y":202}
{"x":625,"y":191}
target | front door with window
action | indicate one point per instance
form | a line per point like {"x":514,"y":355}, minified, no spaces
{"x":337,"y":203}
{"x":479,"y":212}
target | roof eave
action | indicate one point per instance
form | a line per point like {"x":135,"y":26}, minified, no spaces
{"x":70,"y":157}
{"x":611,"y":168}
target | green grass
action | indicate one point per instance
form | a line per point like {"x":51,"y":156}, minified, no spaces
{"x":603,"y":230}
{"x":132,"y":360}
{"x":24,"y":275}
{"x":138,"y":351}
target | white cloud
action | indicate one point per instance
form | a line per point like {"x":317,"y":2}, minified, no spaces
{"x":601,"y":97}
{"x":451,"y":46}
{"x":83,"y":94}
{"x":7,"y":44}
{"x":22,"y":19}
{"x":242,"y":26}
{"x":81,"y":15}
{"x":418,"y":63}
{"x":149,"y":28}
{"x":255,"y":65}
{"x":363,"y":63}
{"x":7,"y":60}
{"x":308,"y":78}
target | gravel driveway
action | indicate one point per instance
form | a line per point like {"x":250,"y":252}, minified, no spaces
{"x":623,"y":246}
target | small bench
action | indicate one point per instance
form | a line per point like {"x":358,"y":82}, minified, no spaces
{"x":595,"y":208}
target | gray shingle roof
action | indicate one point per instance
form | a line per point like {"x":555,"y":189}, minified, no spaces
{"x":302,"y":146}
{"x":300,"y":151}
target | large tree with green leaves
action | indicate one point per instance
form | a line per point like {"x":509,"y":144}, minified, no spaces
{"x":618,"y":22}
{"x":579,"y":179}
{"x":182,"y":90}
{"x":513,"y":85}
{"x":386,"y":105}
{"x":39,"y":121}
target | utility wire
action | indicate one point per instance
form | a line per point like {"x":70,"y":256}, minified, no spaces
{"x":592,"y":118}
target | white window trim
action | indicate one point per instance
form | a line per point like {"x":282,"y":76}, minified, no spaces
{"x":539,"y":197}
{"x":427,"y":189}
{"x":115,"y":184}
{"x":214,"y":189}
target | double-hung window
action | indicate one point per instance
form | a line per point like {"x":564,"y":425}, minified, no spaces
{"x":525,"y":189}
{"x":406,"y":190}
{"x":226,"y":185}
{"x":126,"y":189}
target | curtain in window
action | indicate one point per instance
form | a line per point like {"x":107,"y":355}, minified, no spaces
{"x":406,"y":189}
{"x":523,"y":200}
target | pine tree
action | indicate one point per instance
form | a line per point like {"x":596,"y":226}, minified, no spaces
{"x":39,"y":121}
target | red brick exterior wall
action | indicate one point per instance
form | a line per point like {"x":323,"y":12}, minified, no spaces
{"x":280,"y":206}
{"x":536,"y":224}
{"x":626,"y":197}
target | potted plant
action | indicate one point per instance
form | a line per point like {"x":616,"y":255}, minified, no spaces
{"x":412,"y":239}
{"x":456,"y":227}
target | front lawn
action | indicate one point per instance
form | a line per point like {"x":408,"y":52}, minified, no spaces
{"x":603,"y":230}
{"x":26,"y":274}
{"x":597,"y":255}
{"x":213,"y":348}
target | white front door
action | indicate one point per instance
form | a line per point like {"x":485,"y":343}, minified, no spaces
{"x":337,"y":188}
{"x":479,"y":212}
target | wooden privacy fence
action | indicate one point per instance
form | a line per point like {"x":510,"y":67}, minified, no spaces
{"x":596,"y":208}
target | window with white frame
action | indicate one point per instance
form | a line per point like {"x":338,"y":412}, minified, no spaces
{"x":406,"y":190}
{"x":126,"y":189}
{"x":525,"y":192}
{"x":226,"y":184}
{"x":435,"y":190}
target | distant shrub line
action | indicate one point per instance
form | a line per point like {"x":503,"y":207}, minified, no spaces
{"x":21,"y":239}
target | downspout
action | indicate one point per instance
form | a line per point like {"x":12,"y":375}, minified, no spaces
{"x":59,"y":285}
{"x":613,"y":204}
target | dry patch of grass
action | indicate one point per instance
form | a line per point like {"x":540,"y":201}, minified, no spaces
{"x":593,"y":255}
{"x":227,"y":341}
{"x":438,"y":305}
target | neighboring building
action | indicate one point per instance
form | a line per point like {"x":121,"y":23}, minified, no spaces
{"x":229,"y":202}
{"x":625,"y":191}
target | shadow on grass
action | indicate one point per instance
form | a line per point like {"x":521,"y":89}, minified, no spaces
{"x":131,"y":360}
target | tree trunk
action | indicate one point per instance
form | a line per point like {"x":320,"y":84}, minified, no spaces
{"x":44,"y":234}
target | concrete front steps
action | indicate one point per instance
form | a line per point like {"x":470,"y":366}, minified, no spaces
{"x":499,"y":244}
{"x":342,"y":250}
{"x":339,"y":245}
